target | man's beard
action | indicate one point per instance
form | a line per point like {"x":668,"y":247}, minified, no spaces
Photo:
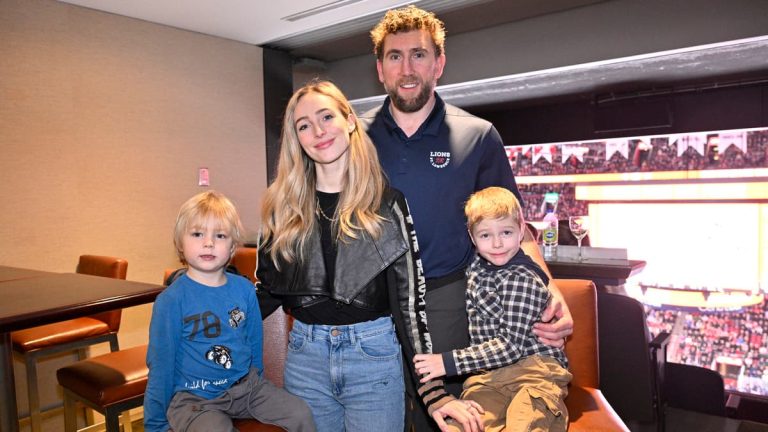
{"x":410,"y":105}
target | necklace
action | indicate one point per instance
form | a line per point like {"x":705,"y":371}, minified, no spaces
{"x":322,"y":213}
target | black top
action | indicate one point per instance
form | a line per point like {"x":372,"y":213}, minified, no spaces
{"x":328,"y":312}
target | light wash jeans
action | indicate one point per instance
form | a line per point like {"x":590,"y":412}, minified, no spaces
{"x":350,"y":376}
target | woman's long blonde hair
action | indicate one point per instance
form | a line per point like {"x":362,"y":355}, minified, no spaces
{"x":288,"y":211}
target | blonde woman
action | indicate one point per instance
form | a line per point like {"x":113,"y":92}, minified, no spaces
{"x":338,"y":252}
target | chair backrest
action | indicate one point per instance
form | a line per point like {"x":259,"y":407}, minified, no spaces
{"x":627,"y":375}
{"x":694,"y":388}
{"x":167,"y":274}
{"x":276,"y":329}
{"x":581,"y":347}
{"x":588,"y":409}
{"x":276,"y":326}
{"x":244,"y":260}
{"x":105,"y":266}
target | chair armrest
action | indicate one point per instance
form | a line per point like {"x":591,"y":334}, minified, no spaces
{"x":588,"y":411}
{"x":582,"y":346}
{"x":660,"y":341}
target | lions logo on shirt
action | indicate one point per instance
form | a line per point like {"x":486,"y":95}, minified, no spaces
{"x":439,"y":159}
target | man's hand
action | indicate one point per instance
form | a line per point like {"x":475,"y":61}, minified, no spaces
{"x":554,"y":333}
{"x":469,"y":414}
{"x":429,"y":366}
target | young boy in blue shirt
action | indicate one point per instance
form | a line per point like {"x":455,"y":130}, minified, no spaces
{"x":507,"y":292}
{"x":205,"y":337}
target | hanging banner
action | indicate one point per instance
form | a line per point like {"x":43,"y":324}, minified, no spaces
{"x":642,"y":152}
{"x":524,"y":151}
{"x":697,"y":141}
{"x":542,"y":151}
{"x":613,"y":146}
{"x":728,"y":139}
{"x":511,"y":153}
{"x":576,"y":150}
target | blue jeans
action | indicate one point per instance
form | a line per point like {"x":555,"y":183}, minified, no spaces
{"x":351,"y":376}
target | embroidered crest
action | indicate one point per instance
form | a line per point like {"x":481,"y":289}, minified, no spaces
{"x":439,"y":159}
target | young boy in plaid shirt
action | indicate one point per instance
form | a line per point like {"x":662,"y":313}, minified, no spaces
{"x":520,"y":383}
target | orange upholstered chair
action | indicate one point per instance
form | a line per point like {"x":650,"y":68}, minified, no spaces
{"x":276,"y":329}
{"x":70,"y":335}
{"x":588,"y":409}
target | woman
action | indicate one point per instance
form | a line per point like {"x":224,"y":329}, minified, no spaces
{"x":338,"y":253}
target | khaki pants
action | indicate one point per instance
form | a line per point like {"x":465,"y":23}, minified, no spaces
{"x":526,"y":396}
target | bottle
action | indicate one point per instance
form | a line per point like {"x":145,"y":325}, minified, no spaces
{"x":549,"y":235}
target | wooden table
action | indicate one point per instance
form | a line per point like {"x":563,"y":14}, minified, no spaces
{"x":603,"y":272}
{"x":38,"y":298}
{"x":15,"y":273}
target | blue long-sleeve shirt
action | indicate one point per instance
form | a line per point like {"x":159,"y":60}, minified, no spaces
{"x":202,"y":340}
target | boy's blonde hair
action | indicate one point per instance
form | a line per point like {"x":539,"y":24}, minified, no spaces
{"x":492,"y":203}
{"x":201,"y":206}
{"x":404,"y":20}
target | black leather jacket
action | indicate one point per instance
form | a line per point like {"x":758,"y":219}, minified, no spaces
{"x":360,"y":277}
{"x":375,"y":274}
{"x":364,"y":267}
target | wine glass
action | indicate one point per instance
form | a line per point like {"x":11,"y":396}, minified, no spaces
{"x":579,"y":226}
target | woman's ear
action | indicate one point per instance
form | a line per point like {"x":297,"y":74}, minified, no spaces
{"x":351,"y":123}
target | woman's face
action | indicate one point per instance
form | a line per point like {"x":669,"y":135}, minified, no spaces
{"x":322,"y":129}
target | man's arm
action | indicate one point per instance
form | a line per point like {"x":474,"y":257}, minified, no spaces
{"x":556,"y":321}
{"x":468,"y":413}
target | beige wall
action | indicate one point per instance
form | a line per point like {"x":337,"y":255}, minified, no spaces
{"x":104,"y":121}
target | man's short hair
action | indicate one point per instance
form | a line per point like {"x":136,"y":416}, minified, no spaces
{"x":407,"y":19}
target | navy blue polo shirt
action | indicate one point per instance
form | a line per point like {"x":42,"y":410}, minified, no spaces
{"x":451,"y":155}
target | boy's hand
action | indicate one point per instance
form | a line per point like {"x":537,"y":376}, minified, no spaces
{"x":429,"y":366}
{"x":554,"y":333}
{"x":469,"y":414}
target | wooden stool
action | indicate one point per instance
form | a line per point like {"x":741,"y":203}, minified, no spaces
{"x":109,"y":383}
{"x":113,"y":383}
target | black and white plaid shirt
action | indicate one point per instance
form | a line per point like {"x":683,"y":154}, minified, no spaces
{"x":503,"y":303}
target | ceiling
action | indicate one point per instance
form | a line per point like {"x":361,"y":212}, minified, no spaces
{"x":328,"y":30}
{"x":324,"y":30}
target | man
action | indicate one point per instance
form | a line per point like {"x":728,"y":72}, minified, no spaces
{"x":438,"y":155}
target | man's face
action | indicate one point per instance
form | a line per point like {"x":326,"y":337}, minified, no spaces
{"x":409,"y":69}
